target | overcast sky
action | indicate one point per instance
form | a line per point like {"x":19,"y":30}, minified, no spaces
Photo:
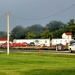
{"x":30,"y":12}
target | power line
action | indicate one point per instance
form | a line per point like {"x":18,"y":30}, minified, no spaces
{"x":46,"y":16}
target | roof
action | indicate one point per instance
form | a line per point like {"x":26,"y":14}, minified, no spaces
{"x":68,"y":33}
{"x":3,"y":39}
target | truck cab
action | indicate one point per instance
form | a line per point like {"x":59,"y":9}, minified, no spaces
{"x":71,"y":47}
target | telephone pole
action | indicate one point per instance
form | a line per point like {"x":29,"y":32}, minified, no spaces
{"x":8,"y":24}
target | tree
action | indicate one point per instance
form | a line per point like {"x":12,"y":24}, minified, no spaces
{"x":58,"y":33}
{"x":71,"y":27}
{"x":3,"y":34}
{"x":71,"y":22}
{"x":16,"y":33}
{"x":46,"y":34}
{"x":55,"y":25}
{"x":36,"y":29}
{"x":30,"y":35}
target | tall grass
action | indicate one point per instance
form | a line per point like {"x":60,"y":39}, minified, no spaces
{"x":37,"y":64}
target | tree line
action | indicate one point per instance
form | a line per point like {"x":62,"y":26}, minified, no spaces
{"x":54,"y":29}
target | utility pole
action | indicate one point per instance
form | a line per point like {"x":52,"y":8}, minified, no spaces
{"x":8,"y":24}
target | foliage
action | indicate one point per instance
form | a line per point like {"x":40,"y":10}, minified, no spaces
{"x":46,"y":34}
{"x":52,"y":30}
{"x":71,"y":22}
{"x":71,"y":28}
{"x":58,"y":33}
{"x":17,"y":32}
{"x":36,"y":29}
{"x":3,"y":34}
{"x":30,"y":35}
{"x":55,"y":25}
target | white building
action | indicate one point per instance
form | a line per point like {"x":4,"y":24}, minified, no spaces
{"x":67,"y":35}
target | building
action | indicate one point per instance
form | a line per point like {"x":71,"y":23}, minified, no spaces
{"x":67,"y":35}
{"x":3,"y":40}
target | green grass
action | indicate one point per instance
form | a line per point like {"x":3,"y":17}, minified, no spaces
{"x":36,"y":64}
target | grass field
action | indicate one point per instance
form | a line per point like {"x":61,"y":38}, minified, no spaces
{"x":37,"y":64}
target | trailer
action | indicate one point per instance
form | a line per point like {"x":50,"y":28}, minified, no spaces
{"x":37,"y":42}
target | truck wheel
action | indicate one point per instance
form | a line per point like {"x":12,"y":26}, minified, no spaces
{"x":71,"y":51}
{"x":59,"y":47}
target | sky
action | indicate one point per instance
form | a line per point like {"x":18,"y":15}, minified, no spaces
{"x":29,"y":12}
